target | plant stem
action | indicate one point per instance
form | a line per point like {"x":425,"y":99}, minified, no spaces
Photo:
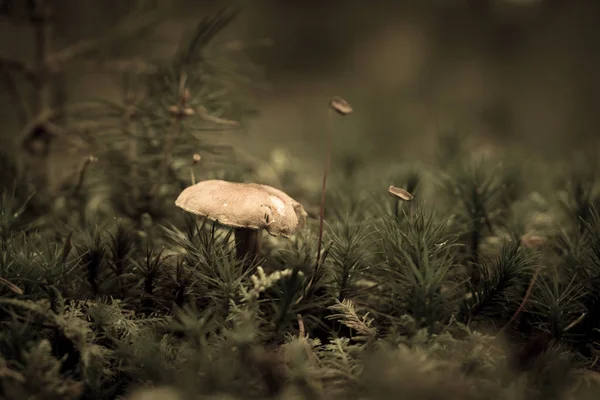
{"x":324,"y":187}
{"x":126,"y":125}
{"x":322,"y":207}
{"x":525,"y":298}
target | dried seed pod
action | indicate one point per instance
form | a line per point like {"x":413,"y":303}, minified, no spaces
{"x":340,"y":105}
{"x":400,"y":193}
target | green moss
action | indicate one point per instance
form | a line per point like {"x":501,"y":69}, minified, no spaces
{"x":392,"y":309}
{"x":118,"y":290}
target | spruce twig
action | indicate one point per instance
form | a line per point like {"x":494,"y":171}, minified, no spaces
{"x":178,"y":113}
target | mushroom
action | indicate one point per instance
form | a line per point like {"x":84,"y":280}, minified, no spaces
{"x":246,"y":207}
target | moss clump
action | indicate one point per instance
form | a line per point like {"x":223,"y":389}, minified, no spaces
{"x":404,"y":303}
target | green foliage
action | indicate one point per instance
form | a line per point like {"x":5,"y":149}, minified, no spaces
{"x":434,"y":297}
{"x":504,"y":282}
{"x":146,"y":142}
{"x":417,"y":257}
{"x":349,"y":257}
{"x":579,"y":191}
{"x":485,"y":285}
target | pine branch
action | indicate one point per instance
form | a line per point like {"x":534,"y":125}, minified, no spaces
{"x":208,"y":28}
{"x":128,"y":27}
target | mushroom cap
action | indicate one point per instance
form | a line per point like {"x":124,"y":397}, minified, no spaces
{"x":244,"y":205}
{"x":340,"y":105}
{"x":400,"y":193}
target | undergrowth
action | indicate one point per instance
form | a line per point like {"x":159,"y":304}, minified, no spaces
{"x":416,"y":299}
{"x":483,"y":285}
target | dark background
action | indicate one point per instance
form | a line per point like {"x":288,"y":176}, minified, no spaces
{"x":514,"y":72}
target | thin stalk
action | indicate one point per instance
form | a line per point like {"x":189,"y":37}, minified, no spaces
{"x":324,"y":187}
{"x":342,"y":107}
{"x":320,"y":258}
{"x":126,"y":126}
{"x":525,"y":298}
{"x":396,"y":205}
{"x":195,"y":161}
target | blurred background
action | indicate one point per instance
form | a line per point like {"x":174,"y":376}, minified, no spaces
{"x":508,"y":72}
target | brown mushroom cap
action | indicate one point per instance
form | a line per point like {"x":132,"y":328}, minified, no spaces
{"x":340,"y":105}
{"x":244,"y":205}
{"x":400,"y":193}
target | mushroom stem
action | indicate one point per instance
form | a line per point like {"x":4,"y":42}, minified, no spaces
{"x":247,"y":244}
